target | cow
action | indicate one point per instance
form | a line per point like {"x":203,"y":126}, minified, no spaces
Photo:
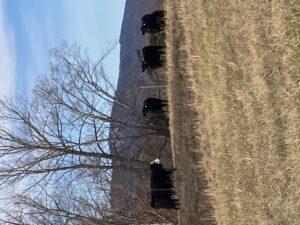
{"x":162,"y":187}
{"x":153,"y":23}
{"x":154,"y":105}
{"x":151,"y":56}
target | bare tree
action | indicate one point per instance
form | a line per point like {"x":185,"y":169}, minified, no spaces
{"x":61,"y":140}
{"x":85,"y":207}
{"x":66,"y":125}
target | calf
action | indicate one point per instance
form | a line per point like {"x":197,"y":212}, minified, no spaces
{"x":162,"y":187}
{"x":154,"y":105}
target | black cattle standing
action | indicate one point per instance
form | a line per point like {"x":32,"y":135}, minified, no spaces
{"x":161,"y":187}
{"x":154,"y":105}
{"x":153,"y":23}
{"x":152,"y":57}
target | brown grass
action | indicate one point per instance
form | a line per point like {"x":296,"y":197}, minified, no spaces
{"x":233,"y":84}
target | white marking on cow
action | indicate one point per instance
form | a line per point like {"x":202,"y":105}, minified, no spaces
{"x":155,"y":161}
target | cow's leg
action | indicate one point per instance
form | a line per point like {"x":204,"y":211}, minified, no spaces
{"x":164,"y":105}
{"x":164,"y":111}
{"x":160,"y":63}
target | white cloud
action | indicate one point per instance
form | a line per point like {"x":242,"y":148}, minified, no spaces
{"x":7,"y":58}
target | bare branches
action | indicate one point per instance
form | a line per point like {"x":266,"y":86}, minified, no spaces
{"x":61,"y":140}
{"x":66,"y":125}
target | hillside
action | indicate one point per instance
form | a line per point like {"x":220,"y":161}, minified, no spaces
{"x":126,"y":182}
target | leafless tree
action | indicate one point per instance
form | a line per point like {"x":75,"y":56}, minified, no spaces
{"x":62,"y":139}
{"x":63,"y":203}
{"x":66,"y":126}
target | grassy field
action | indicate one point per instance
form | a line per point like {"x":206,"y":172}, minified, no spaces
{"x":233,"y":83}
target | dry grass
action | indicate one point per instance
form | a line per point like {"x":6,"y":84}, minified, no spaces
{"x":234,"y":73}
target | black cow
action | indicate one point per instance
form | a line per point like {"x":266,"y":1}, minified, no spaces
{"x":161,"y":187}
{"x":152,"y":57}
{"x":153,"y":23}
{"x":154,"y":105}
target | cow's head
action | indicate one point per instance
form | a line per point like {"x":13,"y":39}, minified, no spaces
{"x":144,"y":28}
{"x":145,"y":110}
{"x":155,"y":165}
{"x":155,"y":161}
{"x":144,"y":66}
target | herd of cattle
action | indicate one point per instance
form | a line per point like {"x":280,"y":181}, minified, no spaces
{"x":152,"y":23}
{"x":162,"y":188}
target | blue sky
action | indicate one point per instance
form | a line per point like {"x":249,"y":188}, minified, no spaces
{"x":29,"y":28}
